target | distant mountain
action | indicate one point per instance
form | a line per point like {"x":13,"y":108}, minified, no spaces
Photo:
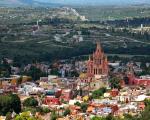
{"x":55,"y":3}
{"x":98,"y":2}
{"x":35,"y":3}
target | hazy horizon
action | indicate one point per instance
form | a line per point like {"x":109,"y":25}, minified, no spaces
{"x":78,"y":2}
{"x":97,"y":1}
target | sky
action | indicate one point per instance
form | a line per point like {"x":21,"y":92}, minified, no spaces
{"x":96,"y":1}
{"x":86,"y":2}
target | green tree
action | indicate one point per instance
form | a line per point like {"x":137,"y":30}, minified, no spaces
{"x":84,"y":107}
{"x":5,"y":104}
{"x":74,"y":74}
{"x":5,"y":68}
{"x":46,"y":110}
{"x":78,"y":104}
{"x":128,"y":117}
{"x":147,"y":102}
{"x":25,"y":116}
{"x":55,"y":71}
{"x":145,"y":114}
{"x":115,"y":83}
{"x":53,"y":116}
{"x":30,"y":102}
{"x":9,"y":103}
{"x":98,"y":118}
{"x":67,"y":112}
{"x":8,"y":116}
{"x":110,"y":117}
{"x":16,"y":103}
{"x":143,"y":65}
{"x":35,"y":73}
{"x":98,"y":93}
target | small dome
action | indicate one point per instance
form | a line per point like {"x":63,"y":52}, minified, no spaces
{"x":83,"y":75}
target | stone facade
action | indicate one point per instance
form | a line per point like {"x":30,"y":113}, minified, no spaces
{"x":97,"y":63}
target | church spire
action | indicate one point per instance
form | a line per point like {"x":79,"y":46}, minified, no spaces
{"x":89,"y":57}
{"x":98,"y":64}
{"x":98,"y":48}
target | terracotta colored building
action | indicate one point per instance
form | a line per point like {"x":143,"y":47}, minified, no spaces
{"x":51,"y":100}
{"x":97,"y":63}
{"x":66,"y":95}
{"x":138,"y":81}
{"x":114,"y":92}
{"x":133,"y":80}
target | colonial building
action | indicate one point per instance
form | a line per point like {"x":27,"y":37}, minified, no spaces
{"x":97,"y":63}
{"x":97,"y":71}
{"x":137,"y":80}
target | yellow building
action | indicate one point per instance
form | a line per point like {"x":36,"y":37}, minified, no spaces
{"x":14,"y":80}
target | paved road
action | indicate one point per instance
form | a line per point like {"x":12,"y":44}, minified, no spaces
{"x":134,"y":40}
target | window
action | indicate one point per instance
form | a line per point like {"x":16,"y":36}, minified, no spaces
{"x":100,"y":71}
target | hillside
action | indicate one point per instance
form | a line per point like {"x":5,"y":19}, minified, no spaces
{"x":98,"y":2}
{"x":48,"y":34}
{"x":56,"y":3}
{"x":99,"y":13}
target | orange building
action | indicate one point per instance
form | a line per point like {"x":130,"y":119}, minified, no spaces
{"x":97,"y":63}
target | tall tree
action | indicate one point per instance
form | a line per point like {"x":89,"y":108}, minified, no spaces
{"x":115,"y":83}
{"x":9,"y":103}
{"x":30,"y":102}
{"x":16,"y":103}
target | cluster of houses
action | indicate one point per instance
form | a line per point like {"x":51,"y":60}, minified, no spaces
{"x":57,"y":95}
{"x":61,"y":93}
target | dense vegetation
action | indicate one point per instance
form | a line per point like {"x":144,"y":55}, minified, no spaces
{"x":99,"y":13}
{"x":98,"y":93}
{"x":9,"y":103}
{"x":18,"y":41}
{"x":30,"y":102}
{"x":115,"y":83}
{"x":5,"y":68}
{"x":134,"y":22}
{"x":26,"y":116}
